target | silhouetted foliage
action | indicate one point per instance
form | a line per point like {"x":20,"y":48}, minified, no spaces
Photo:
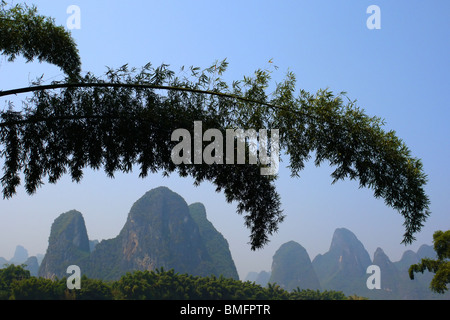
{"x":440,"y":266}
{"x":127,"y":119}
{"x":24,"y":32}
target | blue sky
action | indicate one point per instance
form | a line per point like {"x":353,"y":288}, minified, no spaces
{"x":399,"y":73}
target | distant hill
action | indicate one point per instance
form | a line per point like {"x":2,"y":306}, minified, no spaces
{"x":20,"y":255}
{"x":32,"y":265}
{"x":21,"y":258}
{"x":344,"y":268}
{"x":3,"y":261}
{"x":292,"y":268}
{"x":261,"y":278}
{"x":161,"y":231}
{"x":68,"y":245}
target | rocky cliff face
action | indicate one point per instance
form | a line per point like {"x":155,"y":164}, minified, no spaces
{"x":344,"y":266}
{"x":32,"y":265}
{"x":68,"y":244}
{"x":160,"y":232}
{"x":391,"y":278}
{"x":216,"y":245}
{"x":292,"y":268}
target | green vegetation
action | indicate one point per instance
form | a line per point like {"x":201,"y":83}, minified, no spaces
{"x":24,"y":32}
{"x":440,"y":266}
{"x":17,"y":284}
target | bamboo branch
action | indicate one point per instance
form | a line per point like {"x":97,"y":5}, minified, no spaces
{"x":127,"y":85}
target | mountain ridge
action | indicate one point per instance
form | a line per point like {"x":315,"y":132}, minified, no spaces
{"x":344,"y":268}
{"x":162,"y":230}
{"x":159,"y":232}
{"x":292,"y":268}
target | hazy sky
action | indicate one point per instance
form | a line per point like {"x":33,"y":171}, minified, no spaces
{"x":399,"y":72}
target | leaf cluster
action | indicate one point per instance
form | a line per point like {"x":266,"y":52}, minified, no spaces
{"x":356,"y":145}
{"x":24,"y":32}
{"x":440,"y":266}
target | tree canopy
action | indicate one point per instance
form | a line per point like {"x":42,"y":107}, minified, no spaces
{"x":17,"y":284}
{"x":126,"y":118}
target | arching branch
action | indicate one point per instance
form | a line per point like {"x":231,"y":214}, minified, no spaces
{"x":24,"y":32}
{"x":122,"y":122}
{"x":115,"y":124}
